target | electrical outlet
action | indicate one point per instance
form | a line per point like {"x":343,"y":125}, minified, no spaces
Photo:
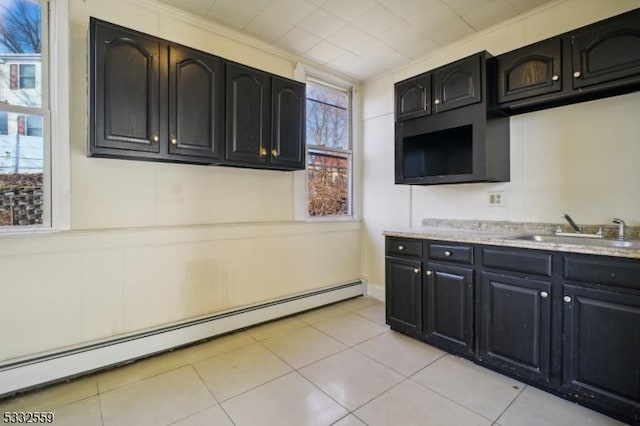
{"x":496,"y":198}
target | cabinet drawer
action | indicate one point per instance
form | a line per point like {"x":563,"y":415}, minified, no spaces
{"x":450,"y":253}
{"x":404,"y":247}
{"x":605,"y":271}
{"x":528,"y":262}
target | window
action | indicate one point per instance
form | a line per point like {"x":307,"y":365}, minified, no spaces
{"x":34,"y":125}
{"x":27,"y":76}
{"x":24,"y":115}
{"x":4,"y":123}
{"x":329,"y":156}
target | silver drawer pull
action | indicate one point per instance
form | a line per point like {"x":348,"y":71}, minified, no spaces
{"x":544,"y":294}
{"x":416,"y":271}
{"x":447,"y":253}
{"x":429,"y":273}
{"x":400,"y":248}
{"x":555,"y":77}
{"x":567,"y":299}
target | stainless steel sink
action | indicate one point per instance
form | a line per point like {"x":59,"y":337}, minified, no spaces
{"x":543,"y":238}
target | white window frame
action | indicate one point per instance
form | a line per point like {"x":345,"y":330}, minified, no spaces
{"x":351,"y":90}
{"x":55,"y":112}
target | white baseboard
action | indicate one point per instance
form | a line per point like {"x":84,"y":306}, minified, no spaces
{"x":376,"y":291}
{"x":34,"y":372}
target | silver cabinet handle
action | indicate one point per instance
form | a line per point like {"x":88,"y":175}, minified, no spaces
{"x":429,"y":273}
{"x":544,"y":294}
{"x":416,"y":271}
{"x":577,"y":74}
{"x":155,"y":138}
{"x":447,"y":253}
{"x":437,"y":101}
{"x":174,"y":141}
{"x":567,"y":299}
{"x":555,"y":77}
{"x":400,"y":248}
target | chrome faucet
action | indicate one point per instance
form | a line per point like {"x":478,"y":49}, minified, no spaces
{"x":575,"y":227}
{"x":621,"y":226}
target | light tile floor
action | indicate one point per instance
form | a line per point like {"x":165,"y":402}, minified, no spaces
{"x":337,"y":365}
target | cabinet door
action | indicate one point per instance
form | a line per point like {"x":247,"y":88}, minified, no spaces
{"x":196,"y":103}
{"x":448,"y":307}
{"x":248,"y":117}
{"x":288,"y":124}
{"x":413,"y":97}
{"x":531,"y":71}
{"x":403,"y":295}
{"x":601,"y":347}
{"x":458,"y":84}
{"x":125,"y":104}
{"x":606,"y":51}
{"x":515,"y":324}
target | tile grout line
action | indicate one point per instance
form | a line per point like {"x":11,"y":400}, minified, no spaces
{"x":511,"y":403}
{"x":218,"y":403}
{"x":100,"y":404}
{"x":452,"y":400}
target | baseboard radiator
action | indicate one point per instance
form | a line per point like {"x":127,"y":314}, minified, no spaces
{"x":29,"y":373}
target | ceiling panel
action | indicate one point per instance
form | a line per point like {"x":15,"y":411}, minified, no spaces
{"x":298,"y":41}
{"x":325,"y":51}
{"x":322,"y":23}
{"x":377,"y":21}
{"x":349,"y":37}
{"x":290,"y":11}
{"x":484,"y":17}
{"x":359,"y":38}
{"x":349,"y":10}
{"x":196,"y":7}
{"x":268,"y":27}
{"x":232,"y":13}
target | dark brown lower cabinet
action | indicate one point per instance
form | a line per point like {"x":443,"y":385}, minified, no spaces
{"x":448,"y":307}
{"x":564,"y":322}
{"x":601,"y":347}
{"x":403,"y":295}
{"x":515,"y":324}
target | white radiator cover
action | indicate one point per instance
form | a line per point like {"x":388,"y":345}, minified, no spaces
{"x":47,"y":368}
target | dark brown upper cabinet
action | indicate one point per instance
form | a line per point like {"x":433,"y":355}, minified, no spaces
{"x":248,"y":114}
{"x":530,"y":71}
{"x":152,"y":99}
{"x":125,"y":106}
{"x":413,"y":97}
{"x":288,"y":124}
{"x":458,"y":84}
{"x":265,"y":120}
{"x":593,"y":62}
{"x":459,"y":143}
{"x":196,"y":103}
{"x":607,"y":51}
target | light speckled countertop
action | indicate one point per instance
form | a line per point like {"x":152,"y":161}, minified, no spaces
{"x":501,"y":233}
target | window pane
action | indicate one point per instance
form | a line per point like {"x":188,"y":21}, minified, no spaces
{"x":4,"y":123}
{"x":20,"y":52}
{"x":34,"y":125}
{"x":327,"y":117}
{"x":21,"y":167}
{"x":27,"y":76}
{"x":328,"y":177}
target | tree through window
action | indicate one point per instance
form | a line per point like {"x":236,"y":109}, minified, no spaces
{"x":328,"y":150}
{"x":23,"y":113}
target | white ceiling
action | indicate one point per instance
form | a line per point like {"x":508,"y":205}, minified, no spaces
{"x":360,"y":38}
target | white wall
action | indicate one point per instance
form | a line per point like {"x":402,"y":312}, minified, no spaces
{"x":581,"y":159}
{"x":153,"y":243}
